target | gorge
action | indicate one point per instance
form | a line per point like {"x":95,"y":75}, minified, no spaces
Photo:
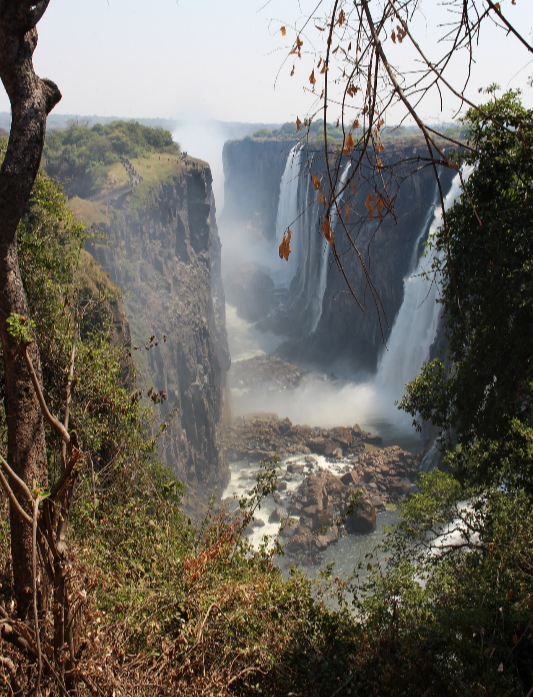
{"x":303,"y":351}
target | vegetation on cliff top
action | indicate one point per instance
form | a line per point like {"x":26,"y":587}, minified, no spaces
{"x":88,"y":160}
{"x":314,"y":132}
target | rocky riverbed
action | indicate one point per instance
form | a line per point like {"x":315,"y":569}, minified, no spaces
{"x":322,"y":471}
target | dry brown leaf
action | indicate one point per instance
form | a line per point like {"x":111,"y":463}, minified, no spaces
{"x":328,"y":232}
{"x":317,"y":185}
{"x":349,"y":144}
{"x":283,"y":31}
{"x":322,"y":198}
{"x":285,"y":246}
{"x":369,"y":206}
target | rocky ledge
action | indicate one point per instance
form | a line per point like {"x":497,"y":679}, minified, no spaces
{"x":325,"y":475}
{"x":263,"y":435}
{"x":324,"y":501}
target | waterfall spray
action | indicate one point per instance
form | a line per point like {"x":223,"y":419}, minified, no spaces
{"x":416,"y":325}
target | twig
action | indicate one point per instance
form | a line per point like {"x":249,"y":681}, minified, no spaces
{"x":69,"y":395}
{"x":35,"y":613}
{"x":52,"y":421}
{"x":12,"y":496}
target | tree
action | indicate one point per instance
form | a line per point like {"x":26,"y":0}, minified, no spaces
{"x":359,"y":72}
{"x":32,"y":99}
{"x":485,"y":398}
{"x":449,"y":608}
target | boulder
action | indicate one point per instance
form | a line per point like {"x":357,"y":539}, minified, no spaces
{"x":331,"y":535}
{"x":277,"y":515}
{"x":363,"y":519}
{"x":300,"y":543}
{"x":295,"y":468}
{"x":351,"y":478}
{"x":318,"y":445}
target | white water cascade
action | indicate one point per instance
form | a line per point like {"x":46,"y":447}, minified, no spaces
{"x":288,"y":215}
{"x":416,"y":325}
{"x":304,"y":276}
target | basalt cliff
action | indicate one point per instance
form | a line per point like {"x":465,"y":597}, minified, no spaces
{"x":164,"y":253}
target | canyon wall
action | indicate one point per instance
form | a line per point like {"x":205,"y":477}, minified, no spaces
{"x":165,"y":257}
{"x":253,"y":168}
{"x":323,"y":324}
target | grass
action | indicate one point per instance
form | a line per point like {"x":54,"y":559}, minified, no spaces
{"x":154,"y":169}
{"x":116,"y":176}
{"x":89,"y":212}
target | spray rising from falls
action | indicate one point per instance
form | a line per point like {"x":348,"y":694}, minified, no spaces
{"x":304,"y":276}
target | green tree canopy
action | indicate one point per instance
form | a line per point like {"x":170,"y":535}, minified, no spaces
{"x":484,"y":395}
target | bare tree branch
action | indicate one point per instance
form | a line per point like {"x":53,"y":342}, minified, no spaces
{"x":51,"y":420}
{"x":12,"y":496}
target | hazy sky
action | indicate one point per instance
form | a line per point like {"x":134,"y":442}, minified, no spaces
{"x":210,"y":58}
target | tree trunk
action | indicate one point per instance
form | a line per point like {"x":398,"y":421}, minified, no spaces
{"x":31,"y":99}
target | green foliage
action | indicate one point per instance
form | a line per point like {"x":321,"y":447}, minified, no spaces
{"x":263,"y":133}
{"x":487,"y":290}
{"x":80,"y":156}
{"x":20,"y":327}
{"x":450,"y":609}
{"x":105,"y":409}
{"x":456,"y":594}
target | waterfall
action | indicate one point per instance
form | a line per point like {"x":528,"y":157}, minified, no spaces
{"x":288,"y":214}
{"x":304,"y":275}
{"x":417,"y":322}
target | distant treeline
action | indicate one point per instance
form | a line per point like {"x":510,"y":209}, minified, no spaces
{"x":335,"y":132}
{"x":80,"y":156}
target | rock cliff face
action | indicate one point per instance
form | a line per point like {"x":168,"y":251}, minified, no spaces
{"x":324,"y":324}
{"x":253,"y":168}
{"x":165,"y":257}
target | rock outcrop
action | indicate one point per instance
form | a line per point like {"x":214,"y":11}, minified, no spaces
{"x":335,"y":478}
{"x":253,"y":168}
{"x":263,"y":436}
{"x":165,"y":257}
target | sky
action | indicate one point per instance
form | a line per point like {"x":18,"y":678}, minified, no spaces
{"x":211,"y":59}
